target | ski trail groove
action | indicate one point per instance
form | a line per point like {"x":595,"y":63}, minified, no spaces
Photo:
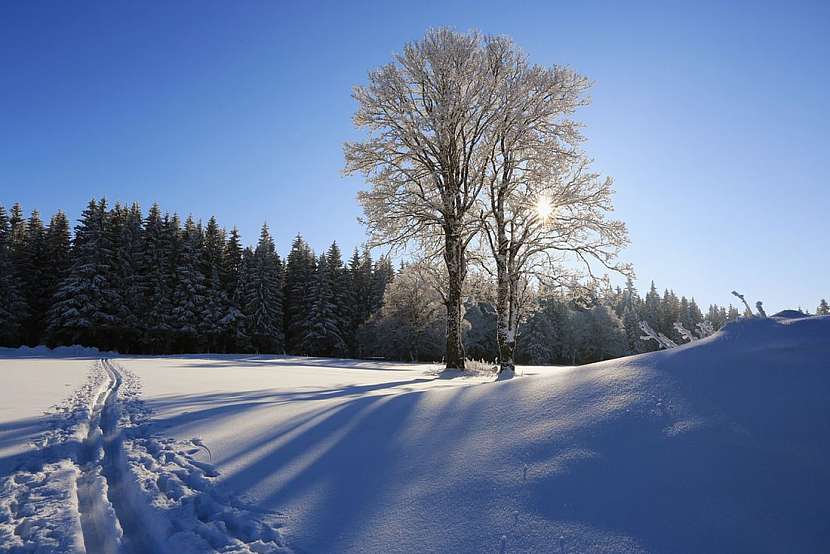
{"x":100,"y":528}
{"x":109,"y":518}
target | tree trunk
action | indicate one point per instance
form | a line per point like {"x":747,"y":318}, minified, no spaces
{"x":503,"y":331}
{"x":457,"y":271}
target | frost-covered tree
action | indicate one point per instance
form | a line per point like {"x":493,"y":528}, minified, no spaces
{"x":685,"y":334}
{"x":410,"y":325}
{"x":480,"y":335}
{"x":534,"y":221}
{"x":541,"y":198}
{"x":747,"y":309}
{"x":430,"y":116}
{"x":823,"y":308}
{"x":650,"y":334}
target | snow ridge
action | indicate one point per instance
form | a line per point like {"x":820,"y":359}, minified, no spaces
{"x":102,"y":482}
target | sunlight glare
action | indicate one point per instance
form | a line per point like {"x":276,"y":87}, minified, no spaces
{"x":544,"y":208}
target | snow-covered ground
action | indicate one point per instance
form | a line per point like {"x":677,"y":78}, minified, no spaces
{"x":720,"y":445}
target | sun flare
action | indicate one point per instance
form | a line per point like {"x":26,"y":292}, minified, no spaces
{"x":544,"y":208}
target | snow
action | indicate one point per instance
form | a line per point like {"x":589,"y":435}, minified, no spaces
{"x":31,"y":387}
{"x":717,"y":445}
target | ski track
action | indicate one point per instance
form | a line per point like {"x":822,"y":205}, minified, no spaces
{"x":103,"y":483}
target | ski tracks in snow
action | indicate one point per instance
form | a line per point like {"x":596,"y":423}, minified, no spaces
{"x":102,"y":482}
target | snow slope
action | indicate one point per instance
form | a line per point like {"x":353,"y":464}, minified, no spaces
{"x":720,"y":445}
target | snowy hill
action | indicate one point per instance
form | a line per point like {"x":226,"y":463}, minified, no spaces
{"x":719,"y":445}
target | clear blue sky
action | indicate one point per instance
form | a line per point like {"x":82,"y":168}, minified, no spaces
{"x":712,"y":117}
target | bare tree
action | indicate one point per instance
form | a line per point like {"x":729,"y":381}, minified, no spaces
{"x":542,"y":201}
{"x":430,"y":116}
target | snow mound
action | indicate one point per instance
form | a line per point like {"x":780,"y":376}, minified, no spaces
{"x":41,"y":351}
{"x":790,"y":314}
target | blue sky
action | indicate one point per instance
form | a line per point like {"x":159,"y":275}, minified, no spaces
{"x":712,"y":118}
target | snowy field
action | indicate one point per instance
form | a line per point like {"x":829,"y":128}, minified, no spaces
{"x":720,"y":445}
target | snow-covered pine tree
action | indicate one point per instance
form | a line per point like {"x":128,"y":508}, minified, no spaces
{"x":382,"y":277}
{"x":239,"y":327}
{"x":264,"y":302}
{"x":607,"y":335}
{"x":159,"y":289}
{"x":188,"y":305}
{"x":58,"y":244}
{"x":82,"y":311}
{"x":216,"y":307}
{"x":33,"y":268}
{"x":632,"y":306}
{"x":232,"y":324}
{"x":231,"y":262}
{"x":12,"y":304}
{"x":342,"y":297}
{"x":126,"y":229}
{"x":17,"y":235}
{"x":298,"y":294}
{"x":323,"y":336}
{"x":823,"y":308}
{"x":669,"y":312}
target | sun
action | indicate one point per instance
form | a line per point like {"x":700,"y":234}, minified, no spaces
{"x":544,"y":208}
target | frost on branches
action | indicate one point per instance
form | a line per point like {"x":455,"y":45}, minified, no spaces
{"x":650,"y":334}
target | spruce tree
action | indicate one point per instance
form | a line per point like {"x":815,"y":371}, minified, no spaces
{"x":823,"y":308}
{"x":244,"y":290}
{"x":82,"y":312}
{"x":156,"y":280}
{"x":130,"y":257}
{"x":232,"y":324}
{"x":58,"y":244}
{"x":264,"y":302}
{"x":33,"y":268}
{"x":188,"y":302}
{"x":382,"y":276}
{"x":216,"y":299}
{"x":12,"y":304}
{"x":299,"y":288}
{"x":342,"y":297}
{"x":323,"y":337}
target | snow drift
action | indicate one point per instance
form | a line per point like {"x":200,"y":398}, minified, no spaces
{"x":718,"y":445}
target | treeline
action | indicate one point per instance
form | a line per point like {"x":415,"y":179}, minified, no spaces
{"x":576,"y":325}
{"x":150,"y":284}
